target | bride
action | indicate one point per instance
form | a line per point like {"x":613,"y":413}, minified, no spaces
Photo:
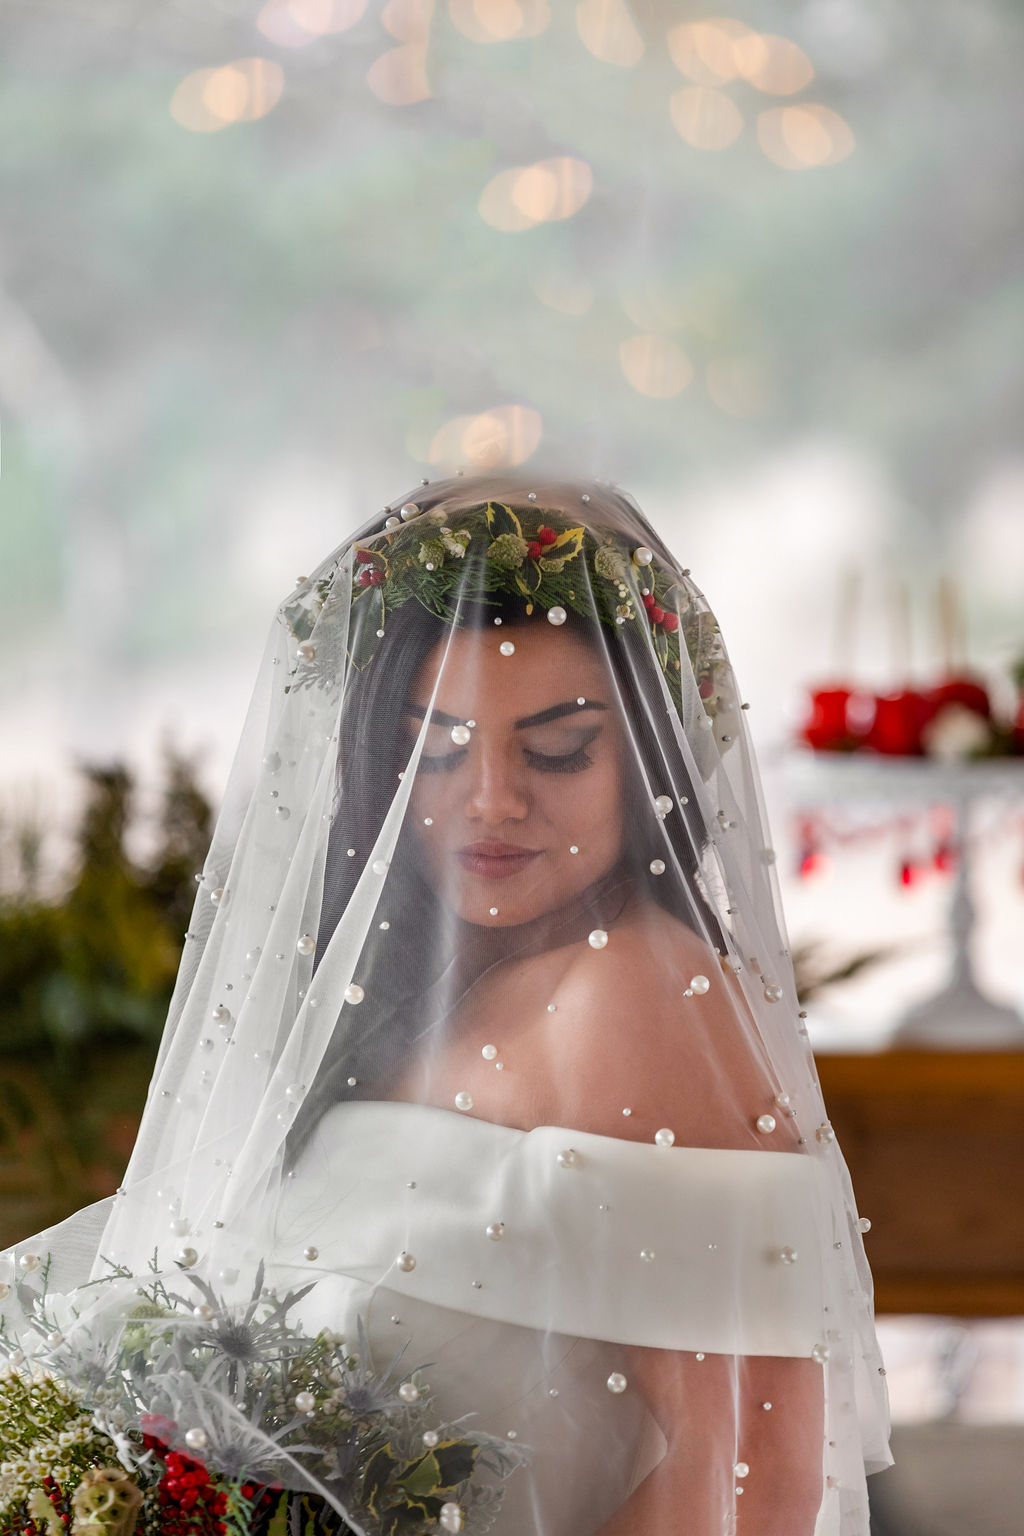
{"x":486,"y":1022}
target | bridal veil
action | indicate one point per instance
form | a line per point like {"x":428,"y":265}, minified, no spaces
{"x":485,"y":1042}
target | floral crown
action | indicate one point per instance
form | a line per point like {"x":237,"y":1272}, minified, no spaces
{"x":535,"y":554}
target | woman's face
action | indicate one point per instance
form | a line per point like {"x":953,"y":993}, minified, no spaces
{"x":528,"y":812}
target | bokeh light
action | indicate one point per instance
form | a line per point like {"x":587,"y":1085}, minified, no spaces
{"x":499,"y":438}
{"x":739,"y":386}
{"x":294,"y":23}
{"x":240,"y":92}
{"x":525,"y":195}
{"x":499,"y":21}
{"x":655,"y":365}
{"x":608,"y":31}
{"x":804,"y":135}
{"x":772,"y":64}
{"x":705,"y":51}
{"x":705,"y":118}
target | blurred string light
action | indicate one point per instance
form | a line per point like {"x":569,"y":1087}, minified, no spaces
{"x":499,"y":21}
{"x":294,"y":23}
{"x":739,"y":386}
{"x":399,"y":77}
{"x":608,"y":31}
{"x":804,"y":135}
{"x":654,"y":365}
{"x":240,"y":92}
{"x":568,"y":295}
{"x":526,"y":195}
{"x":705,"y":118}
{"x":499,"y":438}
{"x":720,"y":49}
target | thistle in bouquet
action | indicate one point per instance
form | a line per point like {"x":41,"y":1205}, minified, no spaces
{"x":228,"y":1418}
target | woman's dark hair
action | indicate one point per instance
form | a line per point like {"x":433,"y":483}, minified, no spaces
{"x":373,"y":751}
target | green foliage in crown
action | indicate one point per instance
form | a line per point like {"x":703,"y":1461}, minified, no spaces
{"x":444,"y":559}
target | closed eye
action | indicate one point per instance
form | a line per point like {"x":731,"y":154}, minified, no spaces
{"x":543,"y":762}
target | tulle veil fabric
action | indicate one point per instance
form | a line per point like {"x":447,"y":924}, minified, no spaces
{"x":485,"y":1028}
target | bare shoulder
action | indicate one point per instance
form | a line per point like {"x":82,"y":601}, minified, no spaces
{"x":678,"y":1056}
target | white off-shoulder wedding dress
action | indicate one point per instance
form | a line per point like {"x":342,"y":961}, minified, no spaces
{"x":456,"y":1236}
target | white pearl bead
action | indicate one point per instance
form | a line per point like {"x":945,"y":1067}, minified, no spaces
{"x":221,"y":1014}
{"x":56,"y":1339}
{"x":767,"y":1407}
{"x":352,"y":1081}
{"x":489,"y":1052}
{"x":179,"y":1227}
{"x":311,"y":1253}
{"x":204,"y":1312}
{"x":598,"y":939}
{"x":463,"y":1100}
{"x":788,"y":1255}
{"x":451,"y":1518}
{"x":5,"y":1290}
{"x":431,"y":1438}
{"x":305,"y":1402}
{"x":228,"y":1276}
{"x":506,"y":648}
{"x":657,"y":866}
{"x":863,"y":1224}
{"x":568,"y":1159}
{"x":493,"y":911}
{"x":409,"y":1392}
{"x":354,"y":993}
{"x":215,"y":896}
{"x":820,"y":1352}
{"x":617,"y":1382}
{"x":29,"y":1261}
{"x":773,"y":992}
{"x":306,"y":944}
{"x":825,"y":1133}
{"x":496,"y":1231}
{"x":699,"y":1355}
{"x":741,"y":1469}
{"x":699,"y":984}
{"x":186,"y":1257}
{"x":766,"y":1123}
{"x":663,"y":804}
{"x":406,"y":1262}
{"x":574,"y":847}
{"x":647,"y":1254}
{"x":282,"y":812}
{"x":460,"y":734}
{"x":556,"y":615}
{"x":642,"y":555}
{"x":305,"y":651}
{"x":195,"y":1439}
{"x":272,"y":762}
{"x":392,"y":522}
{"x":581,"y":701}
{"x":409,"y":509}
{"x":294,"y":1092}
{"x":380,"y":866}
{"x":664,"y":1137}
{"x":782,"y":1100}
{"x":428,"y":821}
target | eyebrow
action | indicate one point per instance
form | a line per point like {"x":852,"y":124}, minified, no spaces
{"x":543,"y":716}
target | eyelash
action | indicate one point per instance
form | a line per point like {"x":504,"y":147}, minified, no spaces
{"x":570,"y":762}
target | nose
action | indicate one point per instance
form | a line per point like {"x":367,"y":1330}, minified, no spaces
{"x":497,"y":788}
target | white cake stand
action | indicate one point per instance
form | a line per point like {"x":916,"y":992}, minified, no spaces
{"x":960,"y":1014}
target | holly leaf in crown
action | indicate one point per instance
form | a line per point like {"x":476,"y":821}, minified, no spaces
{"x":501,"y":519}
{"x":568,"y":543}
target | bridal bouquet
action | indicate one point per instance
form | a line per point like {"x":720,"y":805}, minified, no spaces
{"x":198,"y":1417}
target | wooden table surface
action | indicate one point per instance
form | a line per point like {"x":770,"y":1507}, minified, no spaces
{"x":935,"y":1145}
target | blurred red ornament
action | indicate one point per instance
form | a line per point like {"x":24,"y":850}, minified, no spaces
{"x":911,"y":873}
{"x":826,"y":728}
{"x":899,"y":720}
{"x":964,"y":690}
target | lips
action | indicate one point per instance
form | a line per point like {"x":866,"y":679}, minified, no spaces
{"x":495,"y":860}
